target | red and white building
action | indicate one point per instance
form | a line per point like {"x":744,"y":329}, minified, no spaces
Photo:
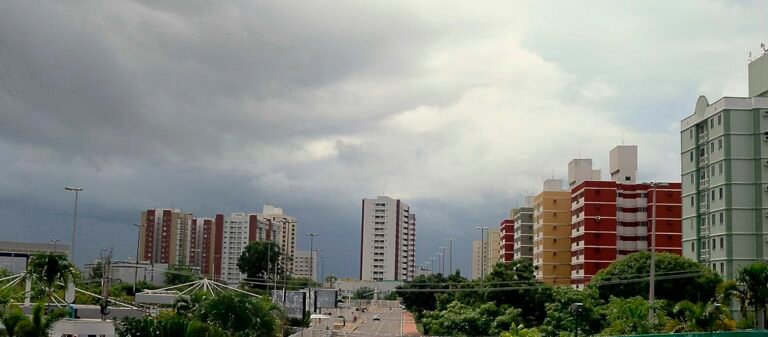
{"x":507,"y":240}
{"x":611,"y":219}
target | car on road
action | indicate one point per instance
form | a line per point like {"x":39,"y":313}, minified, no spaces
{"x":376,"y":318}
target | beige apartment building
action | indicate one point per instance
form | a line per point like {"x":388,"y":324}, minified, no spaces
{"x":552,"y":233}
{"x":485,"y":253}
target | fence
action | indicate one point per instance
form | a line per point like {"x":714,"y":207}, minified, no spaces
{"x":707,"y":334}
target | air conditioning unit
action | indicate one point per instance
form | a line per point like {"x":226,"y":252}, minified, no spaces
{"x":766,"y":213}
{"x":597,"y":218}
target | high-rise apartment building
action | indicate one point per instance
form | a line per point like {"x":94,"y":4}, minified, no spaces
{"x":507,"y":239}
{"x":164,"y":236}
{"x":552,"y":233}
{"x":213,"y":245}
{"x":724,"y":153}
{"x":387,"y":240}
{"x":305,"y":265}
{"x":523,"y":221}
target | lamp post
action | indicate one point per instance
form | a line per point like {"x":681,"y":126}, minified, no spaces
{"x":652,"y":276}
{"x":136,"y":268}
{"x":440,"y":262}
{"x":311,"y":264}
{"x":443,"y":249}
{"x":577,"y":309}
{"x":482,"y":253}
{"x":77,"y":191}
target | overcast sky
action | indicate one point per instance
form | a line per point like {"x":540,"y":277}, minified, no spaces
{"x":460,"y":108}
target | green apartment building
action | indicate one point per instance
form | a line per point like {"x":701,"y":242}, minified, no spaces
{"x":724,"y":153}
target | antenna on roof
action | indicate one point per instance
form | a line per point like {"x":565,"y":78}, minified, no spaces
{"x":765,"y":51}
{"x":749,"y":56}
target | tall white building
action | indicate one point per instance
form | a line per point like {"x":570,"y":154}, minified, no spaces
{"x":387,"y":240}
{"x":305,"y":265}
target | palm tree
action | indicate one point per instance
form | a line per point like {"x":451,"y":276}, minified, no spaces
{"x":729,"y":291}
{"x":696,"y":316}
{"x":754,"y":277}
{"x":331,"y":280}
{"x":51,"y":269}
{"x":40,"y":325}
{"x":11,"y":319}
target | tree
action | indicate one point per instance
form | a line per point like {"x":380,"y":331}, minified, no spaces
{"x":11,"y":318}
{"x":97,"y":271}
{"x":260,"y":259}
{"x":363,"y":293}
{"x":179,"y":274}
{"x":754,"y":277}
{"x":730,"y":290}
{"x":459,"y":319}
{"x":561,"y":319}
{"x":420,"y":301}
{"x":331,"y":280}
{"x":51,"y":269}
{"x":239,"y":314}
{"x":514,"y":284}
{"x":39,"y":325}
{"x":629,"y":316}
{"x":678,"y":278}
{"x":702,"y":316}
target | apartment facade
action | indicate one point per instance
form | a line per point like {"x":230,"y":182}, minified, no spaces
{"x":551,"y":233}
{"x":213,"y":245}
{"x":387,"y":240}
{"x":724,"y":153}
{"x":163,"y":236}
{"x":523,"y":221}
{"x":507,"y":239}
{"x":305,"y":265}
{"x":485,"y":253}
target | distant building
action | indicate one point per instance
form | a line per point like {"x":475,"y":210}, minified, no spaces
{"x":170,"y":236}
{"x":552,"y":234}
{"x":305,"y":265}
{"x":387,"y":240}
{"x":485,"y":253}
{"x":724,"y":153}
{"x":523,"y":221}
{"x":507,"y":239}
{"x":14,"y":255}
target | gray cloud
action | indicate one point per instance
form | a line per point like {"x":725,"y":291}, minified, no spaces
{"x":459,"y":109}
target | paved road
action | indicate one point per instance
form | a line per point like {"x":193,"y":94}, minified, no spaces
{"x":389,"y":325}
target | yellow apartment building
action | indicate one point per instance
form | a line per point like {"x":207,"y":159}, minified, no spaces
{"x":552,"y":234}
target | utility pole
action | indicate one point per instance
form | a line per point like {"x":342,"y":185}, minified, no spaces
{"x":77,"y":191}
{"x":652,"y":276}
{"x":311,"y":264}
{"x":105,"y":284}
{"x":136,"y":268}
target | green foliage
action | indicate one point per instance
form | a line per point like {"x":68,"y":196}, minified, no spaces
{"x":629,"y":316}
{"x":560,"y":318}
{"x":698,"y":287}
{"x":532,"y":332}
{"x":39,"y":325}
{"x":529,"y":294}
{"x":179,"y":274}
{"x":702,"y":316}
{"x":363,"y":293}
{"x":51,"y":269}
{"x":11,"y":318}
{"x":391,"y":296}
{"x":238,"y":314}
{"x":97,"y":271}
{"x":259,"y":260}
{"x":330,"y":280}
{"x":459,"y":319}
{"x":754,"y":278}
{"x":419,"y":302}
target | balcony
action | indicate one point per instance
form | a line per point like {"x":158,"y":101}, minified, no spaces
{"x":703,"y":137}
{"x":704,"y":230}
{"x":704,"y":254}
{"x":704,"y":183}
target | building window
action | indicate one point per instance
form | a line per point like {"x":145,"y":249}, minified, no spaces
{"x":713,"y":195}
{"x":720,"y":192}
{"x":720,"y":168}
{"x":690,"y":133}
{"x":712,"y":171}
{"x":691,"y":155}
{"x":720,"y":144}
{"x":693,"y":246}
{"x":712,"y":123}
{"x":722,"y":243}
{"x":711,"y":147}
{"x":721,"y":218}
{"x":692,"y":177}
{"x":722,"y":268}
{"x":712,"y":222}
{"x":692,"y":201}
{"x":702,"y":152}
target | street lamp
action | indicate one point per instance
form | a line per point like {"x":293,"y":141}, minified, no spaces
{"x":443,"y":249}
{"x":652,"y":276}
{"x":482,"y":253}
{"x":136,"y":268}
{"x":577,"y":309}
{"x":312,"y":262}
{"x":77,"y":191}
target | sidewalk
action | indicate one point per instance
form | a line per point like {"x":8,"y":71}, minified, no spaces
{"x":409,"y":325}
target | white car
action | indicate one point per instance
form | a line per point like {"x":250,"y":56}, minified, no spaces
{"x":376,"y":318}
